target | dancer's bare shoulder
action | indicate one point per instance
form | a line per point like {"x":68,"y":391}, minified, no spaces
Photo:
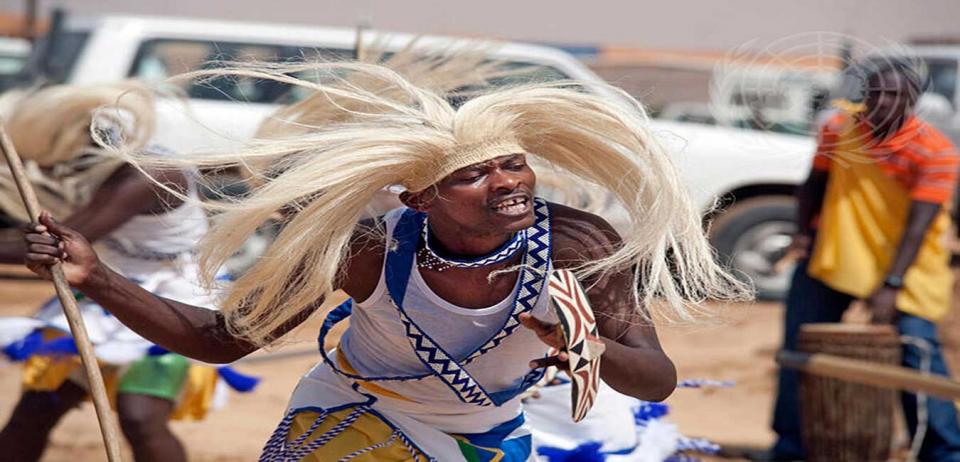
{"x":361,"y":270}
{"x":132,"y":188}
{"x":579,"y":236}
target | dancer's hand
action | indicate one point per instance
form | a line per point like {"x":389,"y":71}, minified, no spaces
{"x":50,"y":242}
{"x":550,"y":334}
{"x":883,"y":306}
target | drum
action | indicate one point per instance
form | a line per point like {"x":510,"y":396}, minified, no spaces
{"x":842,"y":421}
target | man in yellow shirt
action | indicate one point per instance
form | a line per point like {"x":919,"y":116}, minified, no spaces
{"x":873,"y":217}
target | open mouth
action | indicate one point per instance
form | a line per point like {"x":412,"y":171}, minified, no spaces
{"x":517,"y":205}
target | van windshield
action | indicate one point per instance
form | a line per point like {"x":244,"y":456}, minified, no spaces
{"x":159,"y":59}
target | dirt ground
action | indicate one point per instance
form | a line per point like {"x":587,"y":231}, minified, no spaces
{"x":740,"y":348}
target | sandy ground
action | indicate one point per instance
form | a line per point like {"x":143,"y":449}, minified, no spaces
{"x":740,"y":348}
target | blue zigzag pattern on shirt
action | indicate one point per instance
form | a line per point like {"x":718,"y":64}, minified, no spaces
{"x":459,"y":380}
{"x":532,"y":282}
{"x":452,"y":373}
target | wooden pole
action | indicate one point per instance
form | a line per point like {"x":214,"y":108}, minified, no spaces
{"x":359,"y":47}
{"x":870,"y":373}
{"x":108,"y":426}
{"x":30,"y":21}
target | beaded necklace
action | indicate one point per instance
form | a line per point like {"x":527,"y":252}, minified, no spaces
{"x":429,"y":258}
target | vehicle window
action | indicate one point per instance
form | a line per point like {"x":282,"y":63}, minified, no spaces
{"x":520,"y":72}
{"x":10,"y":65}
{"x":159,"y":59}
{"x":526,"y":73}
{"x":529,"y":73}
{"x":705,"y":119}
{"x":943,"y":77}
{"x":55,"y":61}
{"x":162,"y":58}
{"x":759,"y":99}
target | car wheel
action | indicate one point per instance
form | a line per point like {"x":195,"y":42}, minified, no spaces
{"x":752,"y":236}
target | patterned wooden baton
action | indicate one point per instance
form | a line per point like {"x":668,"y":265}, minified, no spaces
{"x":583,"y":344}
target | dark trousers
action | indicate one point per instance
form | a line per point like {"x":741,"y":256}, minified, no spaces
{"x":810,"y":301}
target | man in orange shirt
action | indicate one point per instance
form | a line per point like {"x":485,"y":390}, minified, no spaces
{"x":872,"y":216}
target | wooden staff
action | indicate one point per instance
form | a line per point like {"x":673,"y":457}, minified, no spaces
{"x":870,"y":373}
{"x":108,"y":427}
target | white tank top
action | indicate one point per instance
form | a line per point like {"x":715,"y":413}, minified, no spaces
{"x":146,"y":243}
{"x":374,"y":344}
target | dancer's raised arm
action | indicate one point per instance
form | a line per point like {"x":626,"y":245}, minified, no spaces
{"x":192,"y":331}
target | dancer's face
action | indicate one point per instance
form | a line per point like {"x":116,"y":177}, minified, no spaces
{"x":490,"y":197}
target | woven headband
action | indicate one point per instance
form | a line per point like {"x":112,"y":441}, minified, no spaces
{"x":460,"y":157}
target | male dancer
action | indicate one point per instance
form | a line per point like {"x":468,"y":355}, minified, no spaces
{"x":434,"y":360}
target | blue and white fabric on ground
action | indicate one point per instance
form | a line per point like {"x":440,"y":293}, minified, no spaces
{"x":618,"y":429}
{"x":157,"y":252}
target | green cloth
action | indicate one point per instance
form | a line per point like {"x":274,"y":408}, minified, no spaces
{"x":161,"y":376}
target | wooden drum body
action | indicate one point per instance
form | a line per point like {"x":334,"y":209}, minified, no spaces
{"x":843,"y":421}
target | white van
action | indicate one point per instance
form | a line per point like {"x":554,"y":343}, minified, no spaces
{"x":756,"y":172}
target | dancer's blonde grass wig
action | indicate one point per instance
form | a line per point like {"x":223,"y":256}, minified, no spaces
{"x":52,"y":125}
{"x":51,"y":128}
{"x":455,"y":70}
{"x":375,"y":128}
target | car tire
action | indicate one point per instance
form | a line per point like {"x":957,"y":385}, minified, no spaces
{"x":751,"y":236}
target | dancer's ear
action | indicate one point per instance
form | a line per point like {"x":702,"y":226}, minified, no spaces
{"x":419,"y":201}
